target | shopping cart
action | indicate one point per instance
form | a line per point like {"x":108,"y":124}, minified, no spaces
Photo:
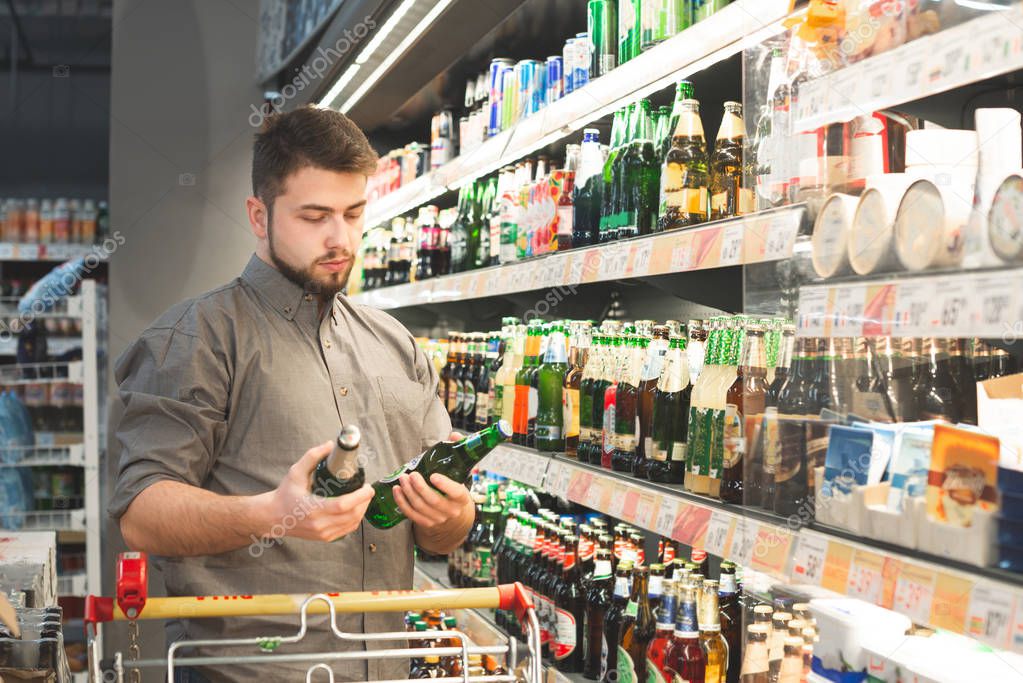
{"x":132,"y":604}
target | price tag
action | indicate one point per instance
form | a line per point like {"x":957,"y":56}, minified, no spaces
{"x":731,"y":245}
{"x":954,"y":64}
{"x":847,"y":311}
{"x":667,"y":511}
{"x":992,"y":306}
{"x":576,"y":268}
{"x":617,"y":506}
{"x":553,"y":476}
{"x":913,"y":68}
{"x":683,"y":257}
{"x":641,"y":254}
{"x":914,"y":593}
{"x":866,"y":577}
{"x":879,"y":77}
{"x":781,"y":235}
{"x":808,"y":559}
{"x":6,"y":251}
{"x":952,"y":314}
{"x":744,"y":540}
{"x":595,"y":494}
{"x":813,"y":308}
{"x":718,"y":536}
{"x":912,"y":301}
{"x":646,"y":510}
{"x":989,"y":616}
{"x":493,"y":287}
{"x":472,"y":287}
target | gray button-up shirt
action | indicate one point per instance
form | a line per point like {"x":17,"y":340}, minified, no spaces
{"x":225,"y":392}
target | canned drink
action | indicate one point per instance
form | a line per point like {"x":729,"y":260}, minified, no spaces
{"x":555,"y":79}
{"x":497,"y":67}
{"x":509,"y":96}
{"x":530,"y":87}
{"x":602,"y":22}
{"x":568,"y":60}
{"x":442,"y":144}
{"x":464,"y":134}
{"x":581,"y":64}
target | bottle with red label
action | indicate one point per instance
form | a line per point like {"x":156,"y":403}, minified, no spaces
{"x":656,"y":664}
{"x":570,"y":609}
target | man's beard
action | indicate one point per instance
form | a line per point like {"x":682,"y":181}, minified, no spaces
{"x":326,"y":286}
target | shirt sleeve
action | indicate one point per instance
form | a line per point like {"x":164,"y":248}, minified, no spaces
{"x":175,"y":392}
{"x":436,"y":421}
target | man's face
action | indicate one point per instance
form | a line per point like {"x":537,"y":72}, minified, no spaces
{"x":315,"y":228}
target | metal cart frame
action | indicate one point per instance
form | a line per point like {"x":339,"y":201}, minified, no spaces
{"x":132,"y":605}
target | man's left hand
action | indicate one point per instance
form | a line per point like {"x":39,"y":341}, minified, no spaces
{"x":446,"y":504}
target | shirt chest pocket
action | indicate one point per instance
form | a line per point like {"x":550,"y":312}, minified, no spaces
{"x":403,"y":401}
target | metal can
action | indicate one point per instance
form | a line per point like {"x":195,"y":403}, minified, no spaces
{"x":509,"y":97}
{"x":442,"y":144}
{"x":602,"y":22}
{"x":530,"y":87}
{"x":581,"y":64}
{"x":555,"y":79}
{"x":568,"y":59}
{"x":497,"y":68}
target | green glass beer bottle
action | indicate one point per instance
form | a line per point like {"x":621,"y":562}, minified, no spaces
{"x":550,"y":428}
{"x":340,"y":472}
{"x":454,"y":459}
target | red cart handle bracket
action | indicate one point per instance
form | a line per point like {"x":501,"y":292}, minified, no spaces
{"x":515,"y":597}
{"x":132,"y":583}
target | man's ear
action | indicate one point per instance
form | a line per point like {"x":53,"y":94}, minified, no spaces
{"x":259,"y":216}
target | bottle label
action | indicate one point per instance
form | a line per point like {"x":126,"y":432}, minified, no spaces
{"x":453,"y":390}
{"x":734,"y":441}
{"x":468,"y":399}
{"x":483,"y":407}
{"x":696,"y":430}
{"x":608,"y":435}
{"x":653,"y":451}
{"x":548,"y":432}
{"x":626,"y":22}
{"x":570,"y":407}
{"x":626,"y":668}
{"x":533,"y":403}
{"x":678,"y":452}
{"x":407,"y":468}
{"x":604,"y":652}
{"x":656,"y":586}
{"x":621,"y":586}
{"x":632,"y":609}
{"x":460,"y":398}
{"x":791,"y":449}
{"x":482,"y":564}
{"x":687,"y":200}
{"x":718,"y":449}
{"x":565,"y":215}
{"x":565,"y":644}
{"x":495,"y":237}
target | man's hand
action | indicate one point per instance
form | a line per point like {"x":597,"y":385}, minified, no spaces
{"x":427,"y":508}
{"x":293,"y":507}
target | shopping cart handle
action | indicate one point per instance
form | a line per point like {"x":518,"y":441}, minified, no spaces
{"x":515,"y":598}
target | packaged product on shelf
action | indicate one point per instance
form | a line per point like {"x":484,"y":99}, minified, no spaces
{"x":963,"y":475}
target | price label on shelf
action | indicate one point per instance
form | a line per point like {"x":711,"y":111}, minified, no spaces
{"x":914,"y":64}
{"x":667,"y":511}
{"x":744,"y":541}
{"x":781,"y":235}
{"x":6,"y":251}
{"x":813,"y":309}
{"x":992,"y":305}
{"x":731,"y":244}
{"x":646,"y":510}
{"x":642,"y":252}
{"x":808,"y":559}
{"x":617,"y":505}
{"x":878,"y":77}
{"x":553,"y":479}
{"x":989,"y":616}
{"x":472,"y":287}
{"x":595,"y":494}
{"x":914,"y":593}
{"x":719,"y":534}
{"x":847,"y":311}
{"x":493,"y":287}
{"x":952,"y":62}
{"x":866,"y":577}
{"x":575,"y":269}
{"x":912,"y":302}
{"x":683,"y":257}
{"x":953,"y":312}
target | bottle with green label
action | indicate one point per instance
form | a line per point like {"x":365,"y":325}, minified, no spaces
{"x":453,"y":459}
{"x":550,"y":428}
{"x":340,"y":472}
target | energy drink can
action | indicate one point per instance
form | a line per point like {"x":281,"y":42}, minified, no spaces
{"x":581,"y":63}
{"x":494,"y":118}
{"x":555,"y":79}
{"x":568,"y":59}
{"x":530,"y":87}
{"x":509,"y":97}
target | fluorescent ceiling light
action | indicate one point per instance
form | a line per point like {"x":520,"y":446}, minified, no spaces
{"x":983,"y":6}
{"x":384,"y":31}
{"x":339,"y":85}
{"x":395,"y":54}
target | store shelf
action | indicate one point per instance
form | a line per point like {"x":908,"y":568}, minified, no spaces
{"x":723,"y":34}
{"x":50,"y":520}
{"x":55,"y":346}
{"x":45,"y":373}
{"x":981,"y":48}
{"x":986,"y":303}
{"x":17,"y":251}
{"x":73,"y":585}
{"x":982,"y":603}
{"x":764,"y":236}
{"x":48,"y":456}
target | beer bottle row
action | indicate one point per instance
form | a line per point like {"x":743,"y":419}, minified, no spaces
{"x":432,"y":622}
{"x":728,"y":407}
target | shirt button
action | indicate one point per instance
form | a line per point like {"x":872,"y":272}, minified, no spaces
{"x":343,"y":391}
{"x":308,"y":297}
{"x":372,"y":547}
{"x":326,"y":343}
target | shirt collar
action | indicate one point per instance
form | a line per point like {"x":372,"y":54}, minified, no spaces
{"x":284,"y":295}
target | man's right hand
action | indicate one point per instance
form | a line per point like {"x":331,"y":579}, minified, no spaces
{"x":302,"y":514}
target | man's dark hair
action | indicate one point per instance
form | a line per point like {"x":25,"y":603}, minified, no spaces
{"x":309,"y":136}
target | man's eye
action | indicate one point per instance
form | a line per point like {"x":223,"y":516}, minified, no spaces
{"x":315,"y":219}
{"x":354,"y":215}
